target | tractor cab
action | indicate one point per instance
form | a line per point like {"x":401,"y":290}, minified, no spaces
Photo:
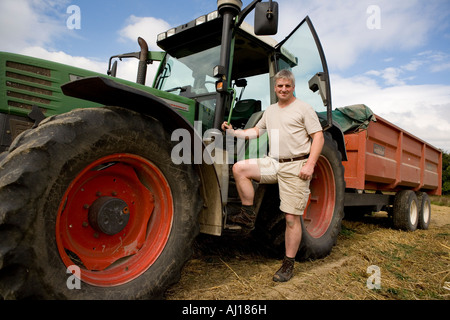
{"x":191,"y":68}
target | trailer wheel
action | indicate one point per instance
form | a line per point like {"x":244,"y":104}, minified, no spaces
{"x":406,"y":210}
{"x":93,"y":192}
{"x":424,"y":203}
{"x":321,"y":222}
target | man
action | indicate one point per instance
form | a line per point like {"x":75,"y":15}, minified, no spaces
{"x":295,"y":142}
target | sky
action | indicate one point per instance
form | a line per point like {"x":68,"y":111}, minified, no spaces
{"x":391,"y":55}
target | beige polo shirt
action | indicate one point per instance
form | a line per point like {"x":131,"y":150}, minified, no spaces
{"x":289,"y":129}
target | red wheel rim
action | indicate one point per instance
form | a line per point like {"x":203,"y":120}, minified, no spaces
{"x":319,"y":212}
{"x":110,"y":260}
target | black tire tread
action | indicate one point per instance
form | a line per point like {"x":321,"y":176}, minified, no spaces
{"x":29,"y":168}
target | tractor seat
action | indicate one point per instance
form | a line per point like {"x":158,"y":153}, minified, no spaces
{"x":243,"y":110}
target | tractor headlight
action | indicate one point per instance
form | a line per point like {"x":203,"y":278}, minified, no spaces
{"x":200,"y":20}
{"x":161,"y":36}
{"x":212,"y":15}
{"x":171,"y":32}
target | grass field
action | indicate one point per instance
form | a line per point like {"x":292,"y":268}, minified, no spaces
{"x":411,"y":265}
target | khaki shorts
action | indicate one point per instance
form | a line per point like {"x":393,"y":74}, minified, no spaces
{"x":294,"y":192}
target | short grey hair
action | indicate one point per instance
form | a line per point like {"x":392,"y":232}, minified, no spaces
{"x":285,"y":74}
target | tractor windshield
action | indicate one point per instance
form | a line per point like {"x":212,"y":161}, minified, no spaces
{"x":190,"y":75}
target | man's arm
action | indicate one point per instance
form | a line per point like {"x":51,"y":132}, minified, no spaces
{"x":307,"y":170}
{"x":250,"y":133}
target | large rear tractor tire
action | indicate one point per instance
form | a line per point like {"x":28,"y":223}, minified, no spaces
{"x":93,"y":195}
{"x":321,"y":222}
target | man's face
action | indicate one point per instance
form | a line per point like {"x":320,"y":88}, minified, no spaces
{"x":284,"y":90}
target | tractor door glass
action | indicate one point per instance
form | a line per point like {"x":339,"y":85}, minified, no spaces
{"x":258,"y":88}
{"x":301,"y":52}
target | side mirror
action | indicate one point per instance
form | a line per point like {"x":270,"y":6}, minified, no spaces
{"x":318,"y":82}
{"x":266,"y":18}
{"x":113,"y":71}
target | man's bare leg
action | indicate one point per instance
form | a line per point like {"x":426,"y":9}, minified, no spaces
{"x":244,"y":172}
{"x":293,"y":237}
{"x":293,"y":234}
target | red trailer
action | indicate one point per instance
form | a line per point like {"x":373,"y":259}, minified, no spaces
{"x":390,"y":169}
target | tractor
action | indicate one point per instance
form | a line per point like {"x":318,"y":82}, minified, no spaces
{"x":106,"y":183}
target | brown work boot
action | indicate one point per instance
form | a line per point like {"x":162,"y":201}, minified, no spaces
{"x":245,"y":218}
{"x":286,"y":271}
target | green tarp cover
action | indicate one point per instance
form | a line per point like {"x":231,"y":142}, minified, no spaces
{"x":353,"y":118}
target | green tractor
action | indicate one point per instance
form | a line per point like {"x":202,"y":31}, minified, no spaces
{"x":105,"y":183}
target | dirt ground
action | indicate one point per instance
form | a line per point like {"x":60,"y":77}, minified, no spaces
{"x":411,"y":265}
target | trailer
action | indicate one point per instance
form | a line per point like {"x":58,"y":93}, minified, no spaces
{"x":388,"y":169}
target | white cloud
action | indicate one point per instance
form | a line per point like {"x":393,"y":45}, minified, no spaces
{"x":429,"y":61}
{"x":31,"y":27}
{"x":413,"y":65}
{"x":391,"y":76}
{"x":440,"y":67}
{"x":345,"y":36}
{"x":127,"y":69}
{"x":145,"y":27}
{"x":30,"y":23}
{"x":148,"y":28}
{"x":438,"y":61}
{"x":422,"y":110}
{"x":62,"y":57}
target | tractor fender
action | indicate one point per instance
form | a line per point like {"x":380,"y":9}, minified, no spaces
{"x":338,"y":136}
{"x":108,"y":92}
{"x":112,"y":93}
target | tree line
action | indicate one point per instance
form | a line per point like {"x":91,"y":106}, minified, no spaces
{"x":445,"y":173}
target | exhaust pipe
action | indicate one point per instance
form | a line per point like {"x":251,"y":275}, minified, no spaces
{"x":142,"y":68}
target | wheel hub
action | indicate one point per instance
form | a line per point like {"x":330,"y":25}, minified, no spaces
{"x":109,"y":215}
{"x":134,"y":197}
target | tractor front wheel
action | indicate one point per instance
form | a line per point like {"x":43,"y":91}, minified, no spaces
{"x":96,"y":209}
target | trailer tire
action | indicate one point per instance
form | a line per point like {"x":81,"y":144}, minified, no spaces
{"x":424,"y":203}
{"x":406,"y":210}
{"x":321,"y":223}
{"x":54,"y":178}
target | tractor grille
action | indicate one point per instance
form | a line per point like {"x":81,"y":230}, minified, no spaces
{"x":28,"y":85}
